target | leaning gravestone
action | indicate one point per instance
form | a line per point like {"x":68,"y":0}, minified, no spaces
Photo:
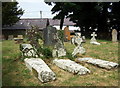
{"x":79,"y":49}
{"x":93,"y":39}
{"x":114,"y":35}
{"x":59,"y":49}
{"x":71,"y":66}
{"x":28,"y":51}
{"x":48,"y":35}
{"x":98,"y":62}
{"x":40,"y":69}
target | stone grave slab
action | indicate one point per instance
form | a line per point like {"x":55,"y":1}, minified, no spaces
{"x":71,"y":66}
{"x":28,"y":50}
{"x":98,"y":62}
{"x":40,"y":69}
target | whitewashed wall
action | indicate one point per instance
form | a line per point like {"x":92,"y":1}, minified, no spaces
{"x":70,"y":27}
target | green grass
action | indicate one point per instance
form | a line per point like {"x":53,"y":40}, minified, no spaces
{"x":15,"y":73}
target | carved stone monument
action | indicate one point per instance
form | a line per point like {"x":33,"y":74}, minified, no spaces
{"x":40,"y":69}
{"x":67,"y":33}
{"x":99,"y":62}
{"x":79,"y":49}
{"x":48,"y":35}
{"x":59,"y":49}
{"x":114,"y":35}
{"x":71,"y":66}
{"x":93,"y":39}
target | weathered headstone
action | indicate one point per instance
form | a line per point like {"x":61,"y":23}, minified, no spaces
{"x":40,"y":69}
{"x":83,"y":37}
{"x":93,"y":39}
{"x":114,"y":35}
{"x":67,"y":33}
{"x":79,"y":49}
{"x":48,"y":35}
{"x":71,"y":66}
{"x":99,"y":62}
{"x":76,"y":38}
{"x":59,"y":49}
{"x":28,"y":50}
{"x":20,"y":37}
{"x":10,"y":37}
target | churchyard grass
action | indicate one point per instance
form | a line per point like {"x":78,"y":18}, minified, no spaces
{"x":15,"y":73}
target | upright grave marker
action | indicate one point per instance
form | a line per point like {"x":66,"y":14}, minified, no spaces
{"x":59,"y":49}
{"x":93,"y":39}
{"x":114,"y":35}
{"x":79,"y":49}
{"x":48,"y":35}
{"x":67,"y":33}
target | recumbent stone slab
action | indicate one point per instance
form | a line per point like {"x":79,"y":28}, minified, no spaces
{"x":98,"y":62}
{"x":71,"y":66}
{"x":44,"y":73}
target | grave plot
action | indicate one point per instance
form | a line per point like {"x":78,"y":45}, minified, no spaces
{"x":71,"y":66}
{"x":40,"y":69}
{"x":98,"y":62}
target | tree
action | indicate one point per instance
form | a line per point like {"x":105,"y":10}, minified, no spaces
{"x":10,"y":13}
{"x":63,"y":9}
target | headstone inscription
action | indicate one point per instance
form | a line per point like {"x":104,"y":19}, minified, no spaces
{"x":114,"y":35}
{"x":48,"y":35}
{"x":93,"y":39}
{"x":67,"y":33}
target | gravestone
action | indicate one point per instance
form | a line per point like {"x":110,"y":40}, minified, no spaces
{"x":67,"y":33}
{"x":99,"y":62}
{"x":40,"y":69}
{"x":28,"y":51}
{"x":83,"y":37}
{"x":71,"y":66}
{"x":79,"y":49}
{"x":93,"y":39}
{"x":20,"y":37}
{"x":76,"y":38}
{"x":48,"y":35}
{"x":10,"y":37}
{"x":59,"y":49}
{"x":114,"y":35}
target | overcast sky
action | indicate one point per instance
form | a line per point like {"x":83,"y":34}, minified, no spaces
{"x":33,"y":7}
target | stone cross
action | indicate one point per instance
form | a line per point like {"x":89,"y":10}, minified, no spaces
{"x":94,"y":34}
{"x":114,"y":35}
{"x":79,"y":49}
{"x":93,"y":37}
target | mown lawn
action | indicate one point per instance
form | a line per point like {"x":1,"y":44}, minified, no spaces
{"x":15,"y":72}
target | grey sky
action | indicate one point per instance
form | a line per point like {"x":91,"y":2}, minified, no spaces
{"x":33,"y":7}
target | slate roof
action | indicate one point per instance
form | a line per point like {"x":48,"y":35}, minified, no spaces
{"x":41,"y":23}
